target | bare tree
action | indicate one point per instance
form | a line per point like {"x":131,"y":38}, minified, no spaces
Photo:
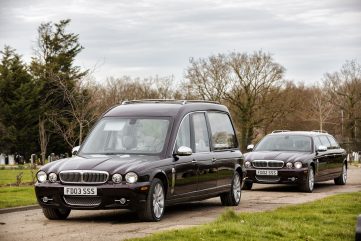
{"x":248,"y":83}
{"x":344,"y":88}
{"x":44,"y":137}
{"x":209,"y":78}
{"x":70,"y":123}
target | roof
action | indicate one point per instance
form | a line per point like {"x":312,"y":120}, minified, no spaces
{"x":162,"y":108}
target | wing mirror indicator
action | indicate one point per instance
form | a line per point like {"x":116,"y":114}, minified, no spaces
{"x":75,"y":150}
{"x":321,"y":148}
{"x":184,"y":151}
{"x":250,"y":147}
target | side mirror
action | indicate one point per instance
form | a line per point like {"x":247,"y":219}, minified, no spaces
{"x":184,"y":151}
{"x":75,"y":150}
{"x":250,"y":147}
{"x":322,"y":148}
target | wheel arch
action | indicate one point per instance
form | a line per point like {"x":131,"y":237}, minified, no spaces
{"x":160,"y":174}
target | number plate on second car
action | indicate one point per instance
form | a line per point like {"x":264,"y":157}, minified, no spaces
{"x":81,"y":191}
{"x":267,"y":172}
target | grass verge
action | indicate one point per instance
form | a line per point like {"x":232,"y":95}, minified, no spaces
{"x":332,"y":218}
{"x":17,"y":196}
{"x":9,"y":176}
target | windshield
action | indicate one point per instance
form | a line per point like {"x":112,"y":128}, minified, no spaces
{"x":285,"y":143}
{"x":127,"y":136}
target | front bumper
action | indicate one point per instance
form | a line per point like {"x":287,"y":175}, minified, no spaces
{"x":108,"y":196}
{"x":285,"y":176}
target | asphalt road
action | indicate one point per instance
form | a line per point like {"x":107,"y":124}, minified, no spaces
{"x":122,"y":224}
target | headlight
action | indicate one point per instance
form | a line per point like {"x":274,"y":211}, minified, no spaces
{"x":247,"y":164}
{"x":131,"y":177}
{"x":41,"y":176}
{"x":289,"y":164}
{"x":298,"y":165}
{"x":117,"y":178}
{"x":53,"y":177}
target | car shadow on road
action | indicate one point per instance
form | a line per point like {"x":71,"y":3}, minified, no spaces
{"x":123,"y":216}
{"x":319,"y":187}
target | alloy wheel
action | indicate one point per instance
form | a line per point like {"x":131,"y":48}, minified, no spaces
{"x":236,"y":188}
{"x":158,"y":200}
{"x":311,"y":179}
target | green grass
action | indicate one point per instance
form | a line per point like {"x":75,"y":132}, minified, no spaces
{"x":17,"y":196}
{"x":9,"y":176}
{"x":332,"y":218}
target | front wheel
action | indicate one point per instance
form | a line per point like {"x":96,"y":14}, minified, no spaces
{"x":342,"y":179}
{"x":56,"y":214}
{"x":233,"y":197}
{"x":310,"y":181}
{"x":247,"y":185}
{"x":153,"y":208}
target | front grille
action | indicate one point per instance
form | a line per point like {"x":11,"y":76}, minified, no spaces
{"x":267,"y":164}
{"x":90,"y":177}
{"x":83,"y":201}
{"x":268,"y":178}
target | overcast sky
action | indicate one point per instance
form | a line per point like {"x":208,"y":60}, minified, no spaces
{"x":157,"y":37}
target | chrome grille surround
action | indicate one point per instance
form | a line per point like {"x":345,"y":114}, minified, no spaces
{"x":86,"y":201}
{"x":83,"y":176}
{"x":267,"y":164}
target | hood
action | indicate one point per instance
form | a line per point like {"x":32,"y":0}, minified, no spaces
{"x":110,"y":163}
{"x":278,"y":155}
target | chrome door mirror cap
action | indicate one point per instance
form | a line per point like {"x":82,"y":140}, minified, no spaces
{"x":184,"y":151}
{"x":321,"y":148}
{"x":250,"y":147}
{"x":75,"y":150}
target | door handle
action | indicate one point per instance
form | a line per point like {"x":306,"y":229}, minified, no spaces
{"x":214,"y":160}
{"x":194,"y":161}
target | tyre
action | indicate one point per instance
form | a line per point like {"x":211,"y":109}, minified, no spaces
{"x":233,"y":197}
{"x":55,"y":213}
{"x":247,"y":185}
{"x":153,"y":208}
{"x":310,"y":181}
{"x":342,"y":179}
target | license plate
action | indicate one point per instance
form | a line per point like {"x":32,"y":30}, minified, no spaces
{"x":83,"y":191}
{"x":267,"y":172}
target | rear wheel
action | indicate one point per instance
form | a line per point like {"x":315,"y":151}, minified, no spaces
{"x":310,"y":181}
{"x":153,"y":209}
{"x":342,"y":179}
{"x":233,"y":197}
{"x":55,"y":213}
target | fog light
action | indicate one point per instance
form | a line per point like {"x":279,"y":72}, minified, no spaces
{"x":46,"y":199}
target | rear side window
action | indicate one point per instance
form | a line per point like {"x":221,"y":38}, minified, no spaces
{"x":333,"y":142}
{"x":223,"y":136}
{"x":201,"y":139}
{"x":325,"y":141}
